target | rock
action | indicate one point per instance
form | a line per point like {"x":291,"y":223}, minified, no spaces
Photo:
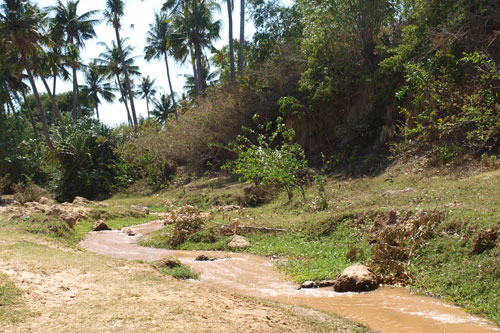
{"x":307,"y":285}
{"x":140,"y":208}
{"x":325,"y":283}
{"x":80,"y":201}
{"x":317,"y":284}
{"x":238,"y":242}
{"x":391,"y":193}
{"x":203,"y":257}
{"x":356,"y":278}
{"x":485,"y":240}
{"x":100,"y":226}
{"x":228,"y":208}
{"x":35,"y":207}
{"x":45,"y":201}
{"x":128,"y":231}
{"x":70,"y":218}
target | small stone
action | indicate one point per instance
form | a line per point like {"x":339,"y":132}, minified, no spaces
{"x":203,"y":257}
{"x":307,"y":285}
{"x":325,"y":283}
{"x":238,"y":242}
{"x":128,"y":231}
{"x":100,"y":226}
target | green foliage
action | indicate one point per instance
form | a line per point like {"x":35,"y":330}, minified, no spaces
{"x":88,"y":165}
{"x":272,"y":160}
{"x":441,"y":112}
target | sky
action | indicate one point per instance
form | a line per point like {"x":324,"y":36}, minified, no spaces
{"x":135,"y":24}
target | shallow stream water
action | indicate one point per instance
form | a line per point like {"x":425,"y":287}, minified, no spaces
{"x":387,"y":309}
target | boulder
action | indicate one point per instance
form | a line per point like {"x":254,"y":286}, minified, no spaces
{"x":140,"y":208}
{"x":100,"y":226}
{"x":307,"y":285}
{"x":80,"y":201}
{"x":238,"y":242}
{"x":70,"y":218}
{"x":356,"y":278}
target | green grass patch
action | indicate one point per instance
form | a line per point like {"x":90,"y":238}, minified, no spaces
{"x":175,"y":268}
{"x":9,"y":301}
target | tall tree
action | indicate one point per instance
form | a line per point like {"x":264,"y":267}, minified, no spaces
{"x":147,"y":89}
{"x":113,"y":13}
{"x":158,"y":46}
{"x":110,"y":59}
{"x":22,"y":30}
{"x":97,"y":86}
{"x":196,"y":27}
{"x":76,"y":29}
{"x":230,"y":7}
{"x":241,"y":50}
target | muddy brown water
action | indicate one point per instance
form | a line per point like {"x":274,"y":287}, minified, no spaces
{"x":387,"y":309}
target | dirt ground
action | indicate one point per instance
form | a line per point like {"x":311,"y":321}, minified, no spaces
{"x":83,"y":292}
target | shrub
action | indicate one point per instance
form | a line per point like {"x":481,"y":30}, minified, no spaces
{"x":273,"y":160}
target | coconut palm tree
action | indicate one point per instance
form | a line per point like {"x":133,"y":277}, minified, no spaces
{"x":22,"y":32}
{"x":110,"y":59}
{"x":241,"y":50}
{"x":97,"y":86}
{"x":113,"y":13}
{"x":147,"y":89}
{"x":196,"y":27}
{"x":76,"y":29}
{"x":158,"y":46}
{"x":162,"y":108}
{"x":230,"y":8}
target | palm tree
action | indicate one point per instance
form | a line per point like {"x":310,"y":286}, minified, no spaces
{"x":162,"y":108}
{"x":110,"y":59}
{"x":158,"y":44}
{"x":196,"y":28}
{"x":21,"y":30}
{"x":76,"y":29}
{"x":96,"y":85}
{"x":147,"y":89}
{"x":241,"y":50}
{"x":113,"y":14}
{"x":230,"y":7}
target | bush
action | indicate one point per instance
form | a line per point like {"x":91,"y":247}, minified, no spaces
{"x":87,"y":164}
{"x":274,"y":160}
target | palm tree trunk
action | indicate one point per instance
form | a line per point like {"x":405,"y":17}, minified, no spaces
{"x":127,"y":79}
{"x":170,"y":85}
{"x":32,"y":119}
{"x":75,"y":86}
{"x":39,"y":105}
{"x":53,"y":115}
{"x":97,"y":110}
{"x":55,"y":109}
{"x":10,"y":104}
{"x":231,"y":46}
{"x":241,"y":51}
{"x":201,"y":84}
{"x":147,"y":105}
{"x":117,"y":78}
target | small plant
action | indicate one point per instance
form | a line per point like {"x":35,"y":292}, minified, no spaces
{"x":175,"y":268}
{"x":273,"y":160}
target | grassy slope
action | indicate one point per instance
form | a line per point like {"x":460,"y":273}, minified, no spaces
{"x":316,"y":242}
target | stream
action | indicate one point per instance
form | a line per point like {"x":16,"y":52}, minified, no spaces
{"x":387,"y":309}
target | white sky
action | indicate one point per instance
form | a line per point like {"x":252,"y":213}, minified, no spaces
{"x":140,"y":14}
